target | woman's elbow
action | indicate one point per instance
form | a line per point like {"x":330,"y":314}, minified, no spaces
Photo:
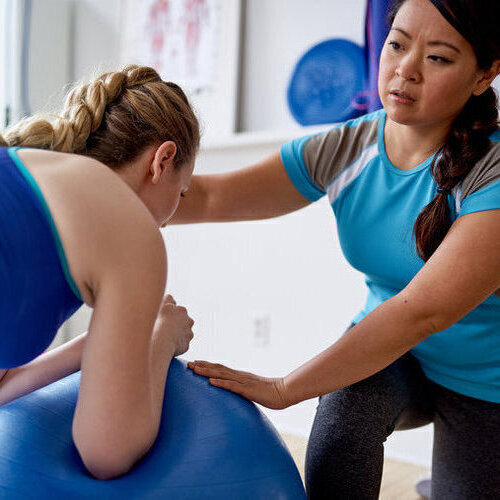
{"x":442,"y":320}
{"x":428,"y":321}
{"x":422,"y":319}
{"x":104,"y":460}
{"x":105,"y":468}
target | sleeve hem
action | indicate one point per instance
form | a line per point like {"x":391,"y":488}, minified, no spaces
{"x":296,"y":172}
{"x":473,"y":210}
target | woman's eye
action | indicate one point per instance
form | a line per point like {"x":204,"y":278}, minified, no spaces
{"x":439,"y":59}
{"x":395,"y":45}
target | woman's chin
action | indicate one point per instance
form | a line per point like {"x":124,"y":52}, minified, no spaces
{"x":402,"y":116}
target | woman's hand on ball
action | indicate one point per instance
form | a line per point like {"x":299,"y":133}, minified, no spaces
{"x":269,"y":392}
{"x":173,"y":326}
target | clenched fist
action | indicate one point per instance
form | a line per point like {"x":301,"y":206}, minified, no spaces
{"x":173,"y":326}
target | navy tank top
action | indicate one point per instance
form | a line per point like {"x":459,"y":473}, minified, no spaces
{"x":37,"y":292}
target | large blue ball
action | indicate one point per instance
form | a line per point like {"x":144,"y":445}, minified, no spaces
{"x":212,"y":444}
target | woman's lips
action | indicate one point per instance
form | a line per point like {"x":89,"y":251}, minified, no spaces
{"x":401,"y":97}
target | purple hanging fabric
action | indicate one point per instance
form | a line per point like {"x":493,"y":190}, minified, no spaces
{"x":376,"y":30}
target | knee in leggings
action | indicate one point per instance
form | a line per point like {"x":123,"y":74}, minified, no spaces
{"x":348,"y":416}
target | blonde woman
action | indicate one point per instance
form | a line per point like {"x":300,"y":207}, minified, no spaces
{"x":82,"y":198}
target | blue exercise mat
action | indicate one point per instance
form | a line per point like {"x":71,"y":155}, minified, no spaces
{"x":325,"y":81}
{"x":212,"y":444}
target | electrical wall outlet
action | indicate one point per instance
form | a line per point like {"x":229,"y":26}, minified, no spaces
{"x":262,"y":330}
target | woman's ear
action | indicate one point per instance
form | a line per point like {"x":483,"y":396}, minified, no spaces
{"x":487,"y":78}
{"x":163,"y":160}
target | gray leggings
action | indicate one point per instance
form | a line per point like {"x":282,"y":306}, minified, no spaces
{"x":345,"y":452}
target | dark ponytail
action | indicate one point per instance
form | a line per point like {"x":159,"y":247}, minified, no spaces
{"x":467,"y":142}
{"x":468,"y":139}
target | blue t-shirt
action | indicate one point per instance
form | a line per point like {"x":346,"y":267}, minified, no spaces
{"x":376,"y":205}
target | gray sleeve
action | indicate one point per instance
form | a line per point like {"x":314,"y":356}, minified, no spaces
{"x":326,"y":155}
{"x":486,"y":171}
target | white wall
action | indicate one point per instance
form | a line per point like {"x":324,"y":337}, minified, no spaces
{"x":96,"y":36}
{"x":277,"y":34}
{"x":50,"y":53}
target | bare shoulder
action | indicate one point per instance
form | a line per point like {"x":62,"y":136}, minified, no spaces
{"x":102,"y":223}
{"x":85,"y":179}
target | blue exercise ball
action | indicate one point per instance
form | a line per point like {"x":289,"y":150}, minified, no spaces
{"x":212,"y":444}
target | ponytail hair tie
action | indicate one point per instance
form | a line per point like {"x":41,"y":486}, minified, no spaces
{"x":445,"y":191}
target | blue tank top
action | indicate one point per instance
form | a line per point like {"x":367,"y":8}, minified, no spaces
{"x":37,"y":293}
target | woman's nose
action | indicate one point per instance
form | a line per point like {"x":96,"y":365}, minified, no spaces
{"x":408,"y":69}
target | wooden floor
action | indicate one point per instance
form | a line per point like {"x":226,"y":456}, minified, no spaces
{"x":398,"y":480}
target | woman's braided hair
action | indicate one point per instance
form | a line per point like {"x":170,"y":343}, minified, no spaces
{"x":468,"y":139}
{"x":113,"y":118}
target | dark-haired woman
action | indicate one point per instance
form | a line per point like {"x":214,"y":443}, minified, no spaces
{"x":415,"y":189}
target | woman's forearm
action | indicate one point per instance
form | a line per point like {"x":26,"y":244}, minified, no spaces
{"x":193,"y":207}
{"x":260,"y":191}
{"x":43,"y":370}
{"x":161,"y":357}
{"x":383,"y":336}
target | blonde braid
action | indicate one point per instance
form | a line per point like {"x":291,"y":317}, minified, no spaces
{"x":140,"y":75}
{"x":82,"y":114}
{"x":85,"y":107}
{"x":113,"y":118}
{"x":41,"y":131}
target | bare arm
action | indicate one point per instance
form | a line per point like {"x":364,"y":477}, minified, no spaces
{"x":261,"y":191}
{"x":117,"y":413}
{"x":130,"y":343}
{"x":43,"y":370}
{"x":436,"y":298}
